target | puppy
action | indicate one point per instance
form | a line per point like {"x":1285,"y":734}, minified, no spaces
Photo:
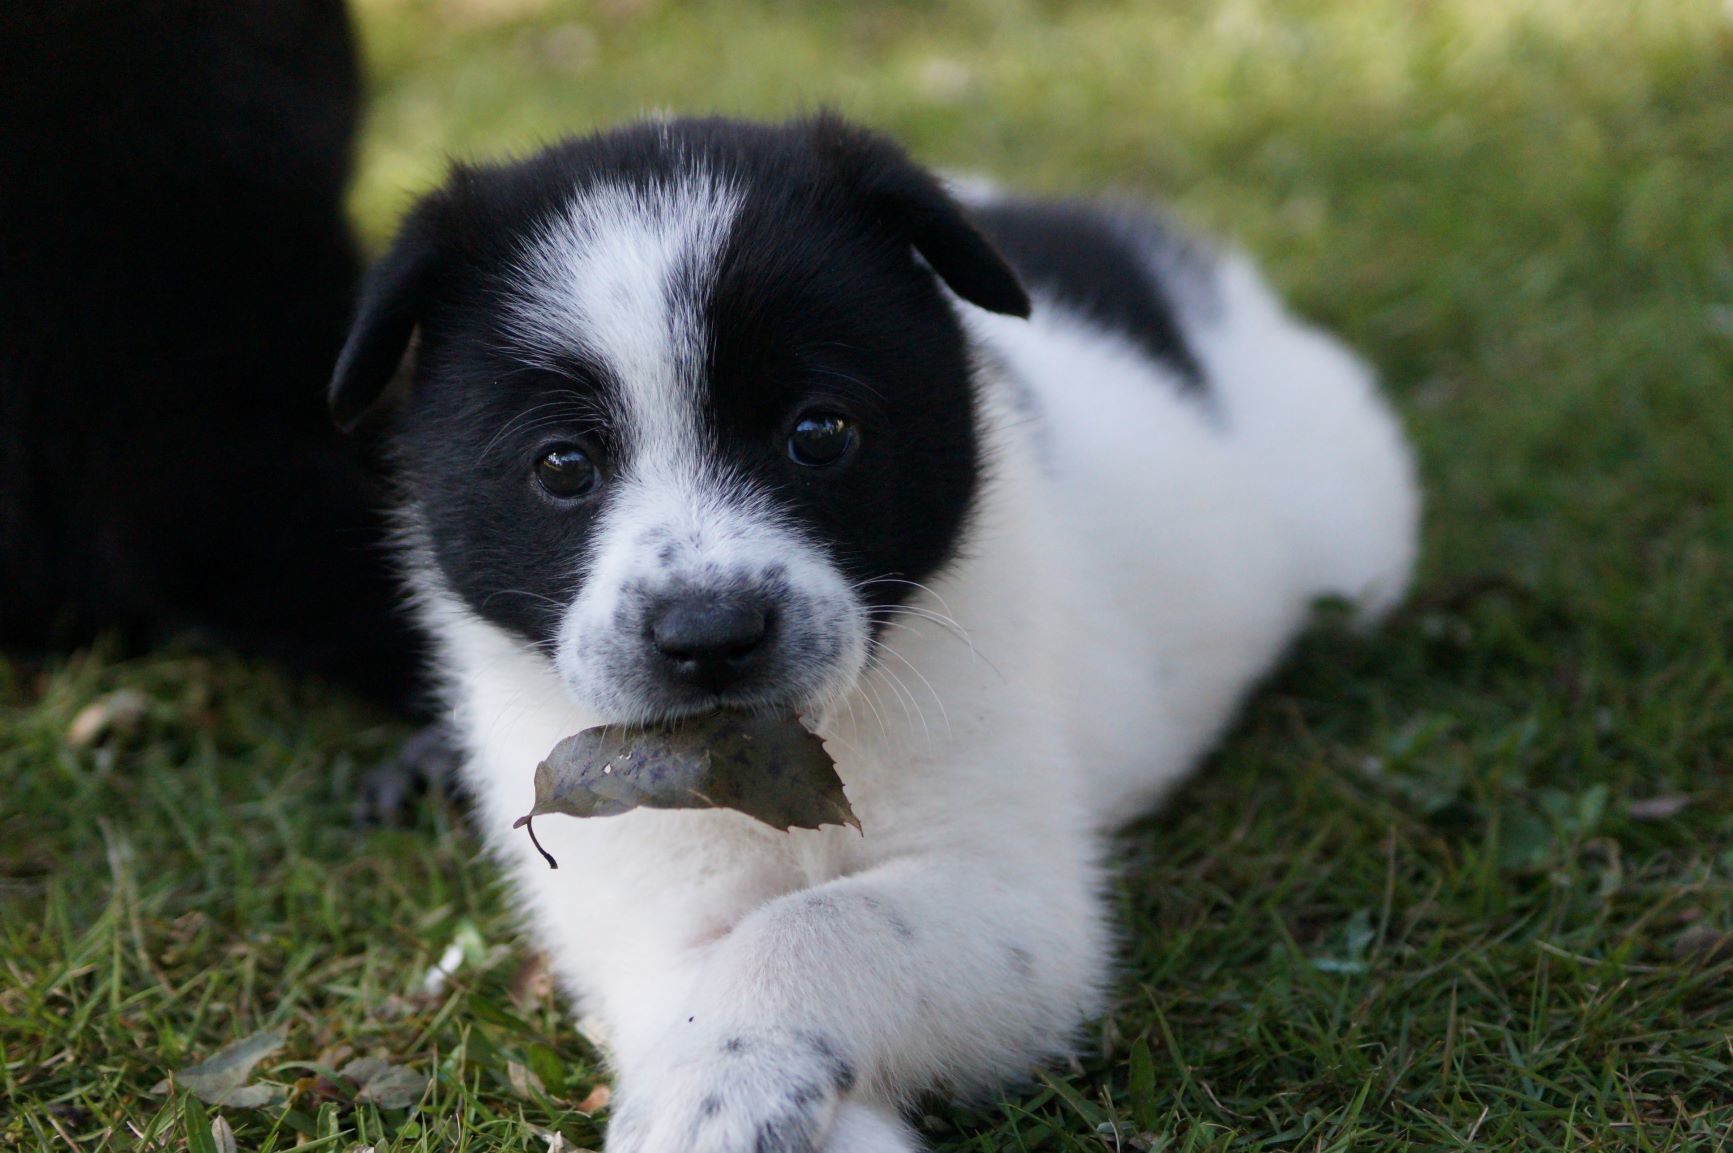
{"x":1014,"y":502}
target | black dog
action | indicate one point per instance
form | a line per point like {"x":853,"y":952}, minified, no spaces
{"x":175,"y":277}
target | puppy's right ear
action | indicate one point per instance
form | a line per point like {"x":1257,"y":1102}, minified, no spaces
{"x":393,"y":296}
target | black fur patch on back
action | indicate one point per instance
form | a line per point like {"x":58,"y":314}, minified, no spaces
{"x":1095,"y":260}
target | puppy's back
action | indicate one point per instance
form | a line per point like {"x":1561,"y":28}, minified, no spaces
{"x":1214,"y":464}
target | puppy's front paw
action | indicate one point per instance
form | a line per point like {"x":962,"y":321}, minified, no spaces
{"x":741,"y":1092}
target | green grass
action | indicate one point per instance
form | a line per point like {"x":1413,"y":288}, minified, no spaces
{"x":1408,"y":906}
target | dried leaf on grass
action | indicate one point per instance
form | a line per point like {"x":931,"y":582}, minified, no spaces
{"x":524,"y":1083}
{"x":533,"y":984}
{"x":1657,"y":808}
{"x":768,"y":767}
{"x":379,"y":1082}
{"x":1703,"y":945}
{"x":596,"y":1101}
{"x":119,"y":711}
{"x":221,"y":1078}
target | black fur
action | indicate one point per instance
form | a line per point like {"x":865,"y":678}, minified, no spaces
{"x":819,"y":300}
{"x":1095,"y":260}
{"x":175,"y":275}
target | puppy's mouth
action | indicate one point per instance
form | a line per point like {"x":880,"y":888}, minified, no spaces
{"x":644,"y":693}
{"x":682,"y":705}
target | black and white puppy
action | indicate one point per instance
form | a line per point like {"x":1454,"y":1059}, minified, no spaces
{"x":1013,"y":502}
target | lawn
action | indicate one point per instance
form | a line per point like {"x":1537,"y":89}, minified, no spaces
{"x":1467,"y":883}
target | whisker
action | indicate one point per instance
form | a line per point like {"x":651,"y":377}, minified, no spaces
{"x":488,"y":599}
{"x":884,"y":612}
{"x":881,"y":614}
{"x":884,"y":729}
{"x":571,"y":405}
{"x":891,"y":580}
{"x":911,"y":708}
{"x":507,"y":428}
{"x":944,"y":714}
{"x":905,"y":695}
{"x":854,"y":380}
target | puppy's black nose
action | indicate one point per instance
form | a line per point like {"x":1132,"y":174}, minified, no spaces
{"x":709,"y":640}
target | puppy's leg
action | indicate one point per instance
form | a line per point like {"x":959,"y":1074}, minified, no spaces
{"x":823,"y":1005}
{"x":429,"y":759}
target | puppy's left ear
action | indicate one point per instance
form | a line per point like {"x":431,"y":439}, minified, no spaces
{"x":393,"y":295}
{"x":911,"y":201}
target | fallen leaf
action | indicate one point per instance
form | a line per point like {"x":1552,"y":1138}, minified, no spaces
{"x":1703,"y":944}
{"x":223,"y":1134}
{"x":333,"y":1056}
{"x":524,"y":1083}
{"x":596,"y":1101}
{"x":379,"y":1082}
{"x":119,"y":711}
{"x":221,"y":1078}
{"x":395,"y":1007}
{"x":1657,"y":808}
{"x":770,"y":768}
{"x":186,"y":926}
{"x":533,"y":984}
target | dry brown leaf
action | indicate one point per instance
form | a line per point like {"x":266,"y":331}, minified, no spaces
{"x":1703,"y":944}
{"x":333,"y":1056}
{"x":221,"y":1078}
{"x":524,"y":1083}
{"x":119,"y":711}
{"x":533,"y":984}
{"x":1657,"y":808}
{"x":771,"y":768}
{"x":379,"y":1082}
{"x":596,"y":1101}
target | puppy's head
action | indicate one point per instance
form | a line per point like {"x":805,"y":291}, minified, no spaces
{"x":689,"y":402}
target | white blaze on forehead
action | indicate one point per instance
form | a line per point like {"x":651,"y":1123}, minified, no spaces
{"x":620,"y":277}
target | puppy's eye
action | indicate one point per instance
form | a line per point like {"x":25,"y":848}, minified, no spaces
{"x":567,"y":472}
{"x":822,"y":439}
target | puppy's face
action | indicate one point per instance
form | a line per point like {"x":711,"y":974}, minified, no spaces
{"x":688,"y":409}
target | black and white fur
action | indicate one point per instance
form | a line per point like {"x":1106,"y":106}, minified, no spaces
{"x":1090,"y":496}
